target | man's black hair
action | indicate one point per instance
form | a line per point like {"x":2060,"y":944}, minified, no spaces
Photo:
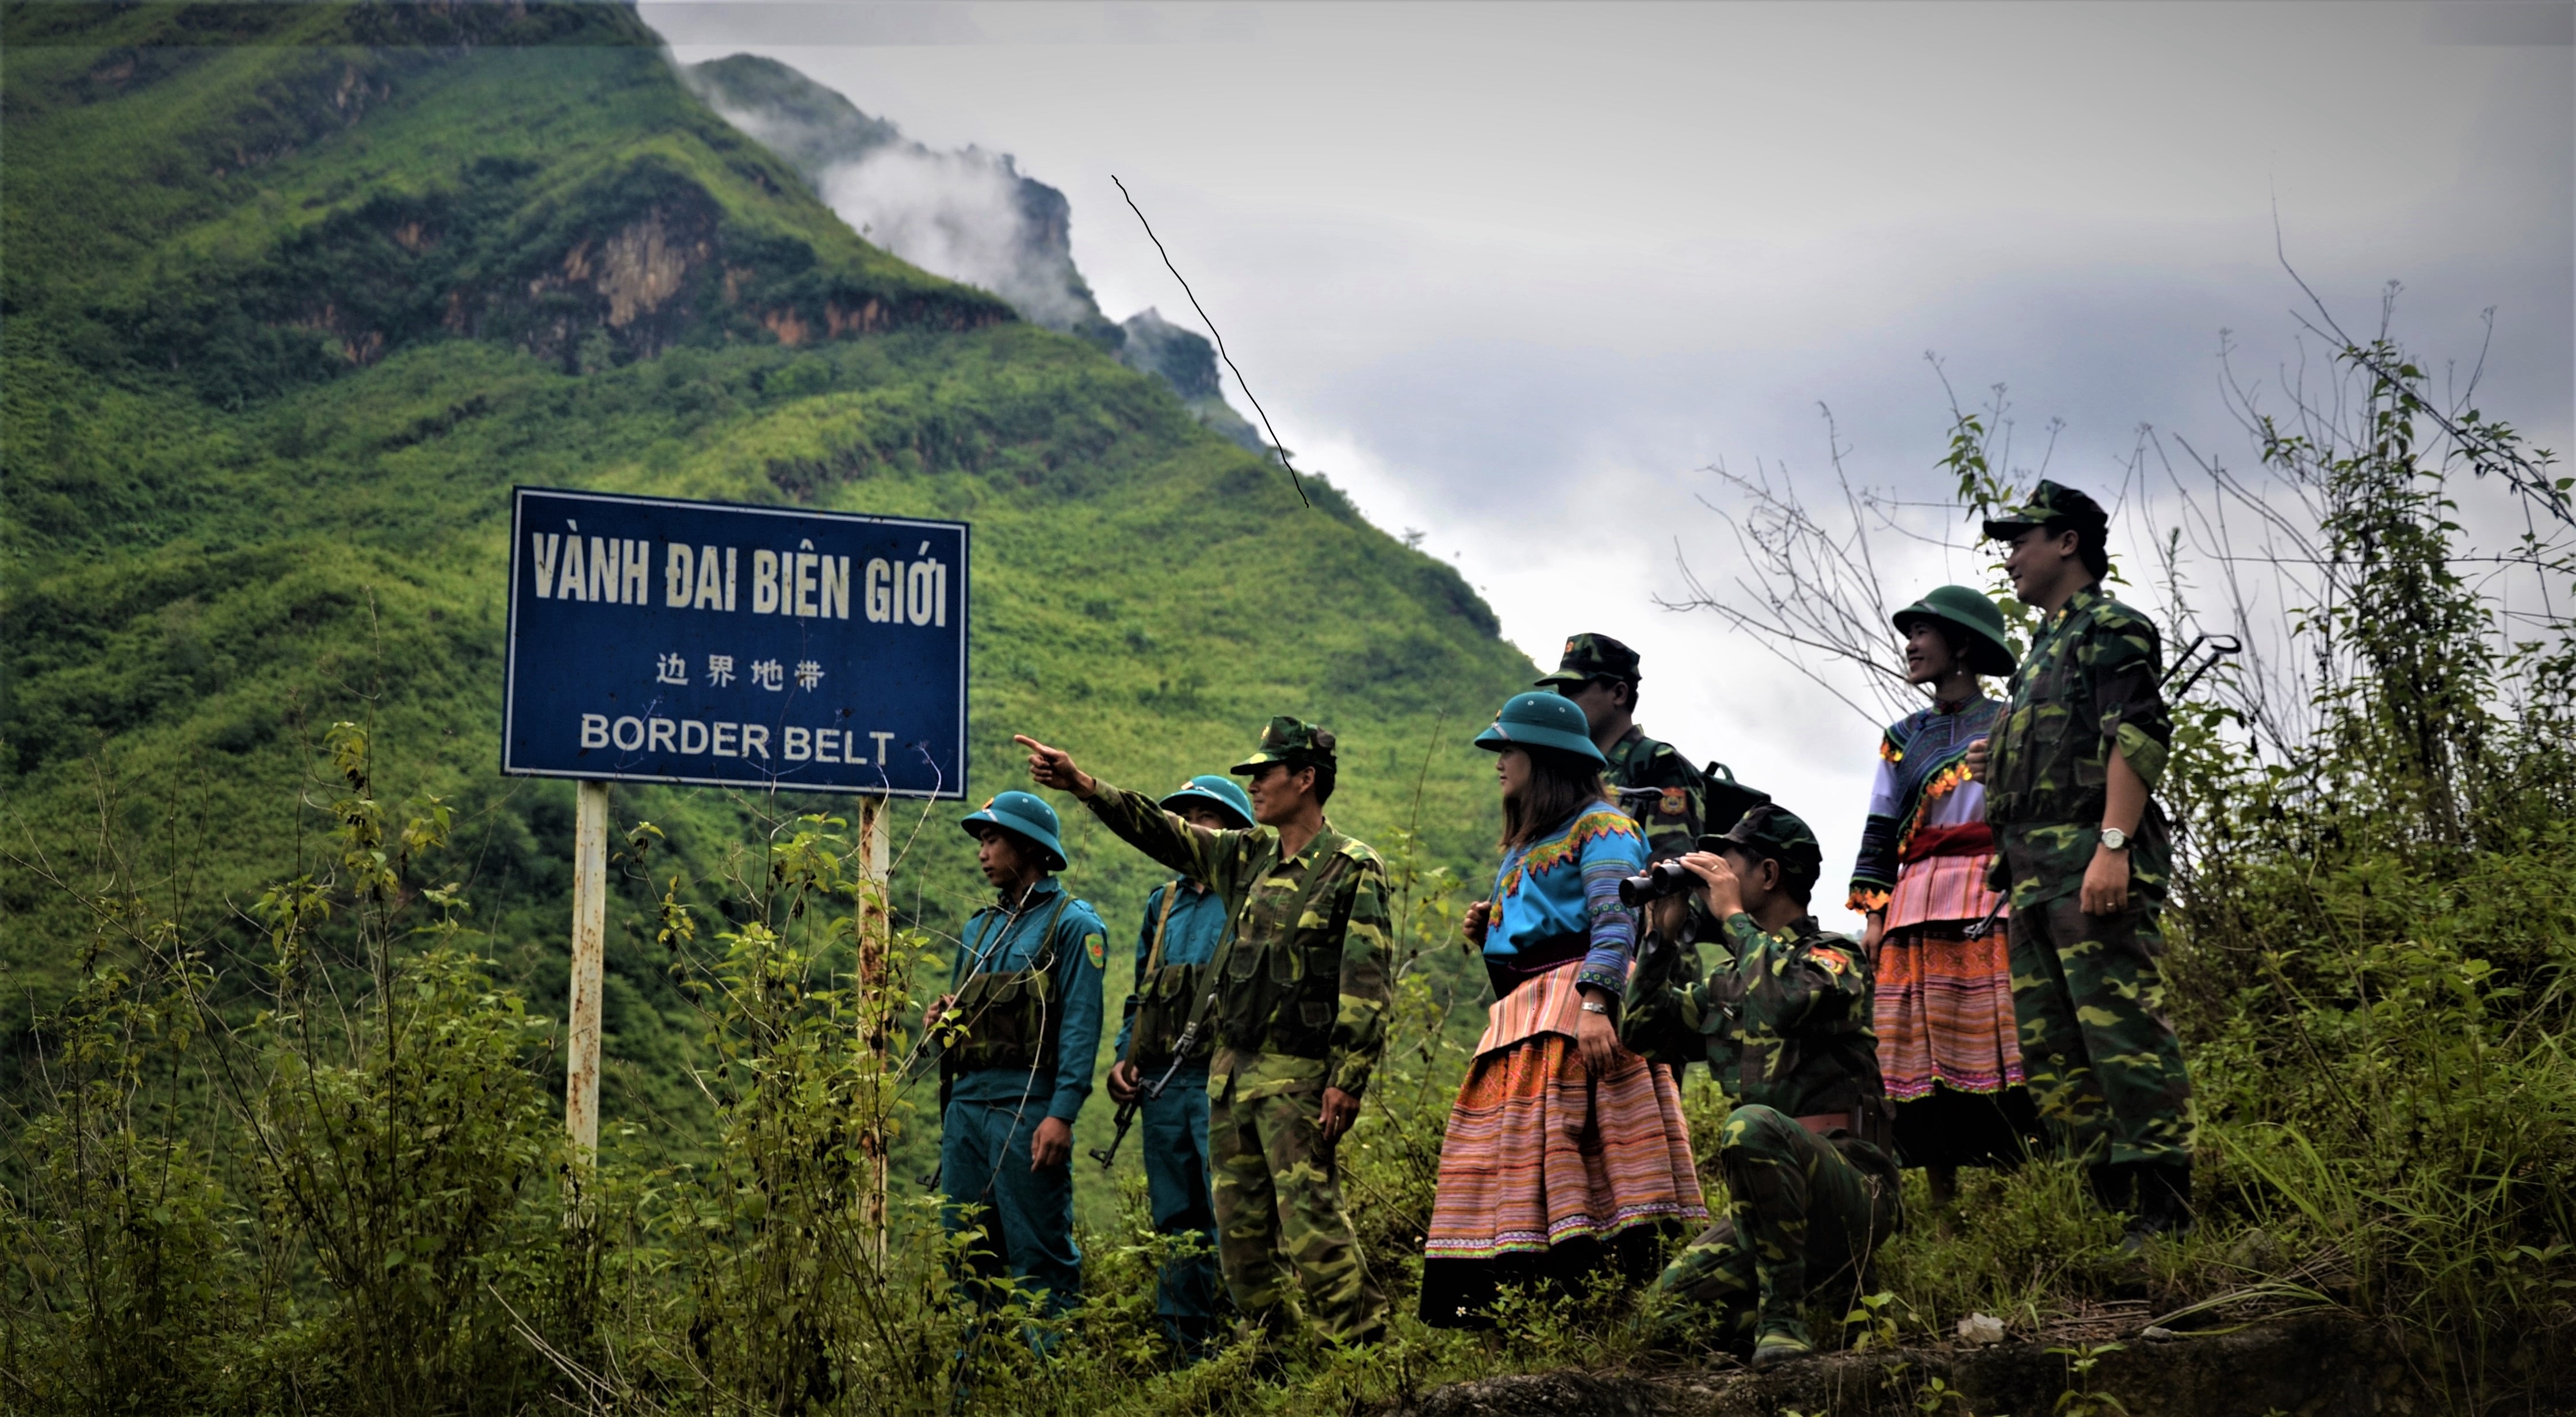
{"x":1800,"y":885}
{"x":1324,"y":773}
{"x":2092,"y":542}
{"x":1618,"y":679}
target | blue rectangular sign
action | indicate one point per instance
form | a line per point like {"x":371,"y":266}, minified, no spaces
{"x":654,"y":640}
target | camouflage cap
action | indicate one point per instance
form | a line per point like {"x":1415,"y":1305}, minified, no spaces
{"x":1293,"y":741}
{"x":1589,"y":657}
{"x":1772,"y":831}
{"x":2048,"y":502}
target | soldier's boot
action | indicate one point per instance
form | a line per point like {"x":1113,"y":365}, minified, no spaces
{"x":2164,"y":1204}
{"x":1783,"y":1340}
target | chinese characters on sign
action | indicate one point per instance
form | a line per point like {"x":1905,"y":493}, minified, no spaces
{"x":668,"y":641}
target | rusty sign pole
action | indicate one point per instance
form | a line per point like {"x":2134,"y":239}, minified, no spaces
{"x":876,"y":953}
{"x":589,"y":940}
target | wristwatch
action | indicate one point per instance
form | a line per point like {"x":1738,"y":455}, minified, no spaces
{"x":2114,"y":839}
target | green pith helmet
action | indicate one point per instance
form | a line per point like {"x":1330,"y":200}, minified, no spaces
{"x":1210,"y":790}
{"x":1588,"y":657}
{"x":1541,"y":719}
{"x":2049,"y":502}
{"x":1988,"y":651}
{"x":1773,"y":831}
{"x":1291,"y":740}
{"x":1024,"y":815}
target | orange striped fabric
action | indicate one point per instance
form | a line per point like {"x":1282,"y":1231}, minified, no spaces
{"x":1539,"y":1152}
{"x":1944,"y":1010}
{"x":1551,"y":1003}
{"x":1941,"y":888}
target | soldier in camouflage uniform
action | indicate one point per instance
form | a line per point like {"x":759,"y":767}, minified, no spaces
{"x":1298,"y":1002}
{"x":1600,"y":675}
{"x":2086,"y":860}
{"x":1784,"y":1024}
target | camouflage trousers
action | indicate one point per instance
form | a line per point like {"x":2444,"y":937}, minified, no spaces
{"x":1800,"y":1219}
{"x":2100,"y":1059}
{"x":1279,"y":1209}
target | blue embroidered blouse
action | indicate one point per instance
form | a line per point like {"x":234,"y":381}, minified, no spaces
{"x":1567,"y":883}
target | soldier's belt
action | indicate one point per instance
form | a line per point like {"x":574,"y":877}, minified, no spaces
{"x":1826,"y":1124}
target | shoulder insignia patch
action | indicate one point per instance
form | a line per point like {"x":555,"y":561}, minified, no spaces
{"x":1676,"y":801}
{"x":1097,"y":949}
{"x":1832,"y":959}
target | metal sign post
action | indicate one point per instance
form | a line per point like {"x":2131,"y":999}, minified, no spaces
{"x":766,"y":648}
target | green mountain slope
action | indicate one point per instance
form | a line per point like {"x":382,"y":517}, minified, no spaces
{"x":294,"y":295}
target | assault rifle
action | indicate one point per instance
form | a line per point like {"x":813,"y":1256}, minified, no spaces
{"x":1152,"y":1092}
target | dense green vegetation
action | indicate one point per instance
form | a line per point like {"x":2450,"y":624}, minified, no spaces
{"x":294,"y":295}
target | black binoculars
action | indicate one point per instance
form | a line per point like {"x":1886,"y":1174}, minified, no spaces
{"x":1654,"y":883}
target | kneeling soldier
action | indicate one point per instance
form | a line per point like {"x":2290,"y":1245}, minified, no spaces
{"x":1183,"y":922}
{"x":1784,"y":1024}
{"x":1021,"y":1024}
{"x":1298,"y":1003}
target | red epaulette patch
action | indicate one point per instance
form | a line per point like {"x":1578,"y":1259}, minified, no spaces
{"x":1830,"y":958}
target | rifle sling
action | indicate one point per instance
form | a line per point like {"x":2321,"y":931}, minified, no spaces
{"x":1153,"y":962}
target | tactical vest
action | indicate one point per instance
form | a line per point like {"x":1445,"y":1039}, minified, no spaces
{"x":1013,"y":1019}
{"x":1284,"y":997}
{"x":1164,"y":996}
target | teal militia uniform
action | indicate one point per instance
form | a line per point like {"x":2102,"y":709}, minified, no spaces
{"x":1301,"y":1005}
{"x":1184,"y":921}
{"x":1027,"y":982}
{"x":1783,"y":1023}
{"x":2101,"y":1060}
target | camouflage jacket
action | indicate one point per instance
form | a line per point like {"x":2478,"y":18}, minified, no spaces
{"x":1783,"y":1021}
{"x":1671,"y":820}
{"x":2091,"y":686}
{"x":1303,"y":996}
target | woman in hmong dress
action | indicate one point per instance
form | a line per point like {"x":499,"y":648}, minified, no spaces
{"x":1947,"y":1044}
{"x":1565,"y":1151}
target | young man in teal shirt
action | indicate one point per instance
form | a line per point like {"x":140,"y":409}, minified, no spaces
{"x":1019,"y":1030}
{"x":1183,"y":925}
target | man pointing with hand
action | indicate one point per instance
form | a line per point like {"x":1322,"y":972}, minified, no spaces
{"x":1297,"y":1001}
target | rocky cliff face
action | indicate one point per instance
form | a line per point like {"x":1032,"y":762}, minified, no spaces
{"x":969,"y":215}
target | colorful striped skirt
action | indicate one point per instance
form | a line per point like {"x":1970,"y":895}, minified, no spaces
{"x":1945,"y":1011}
{"x":1541,"y":1155}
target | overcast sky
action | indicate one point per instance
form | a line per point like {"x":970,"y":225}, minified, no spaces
{"x":1512,"y":274}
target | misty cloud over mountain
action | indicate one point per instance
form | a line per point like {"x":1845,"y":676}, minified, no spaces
{"x":967,"y":214}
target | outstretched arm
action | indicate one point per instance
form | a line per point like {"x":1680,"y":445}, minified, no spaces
{"x":1196,"y":852}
